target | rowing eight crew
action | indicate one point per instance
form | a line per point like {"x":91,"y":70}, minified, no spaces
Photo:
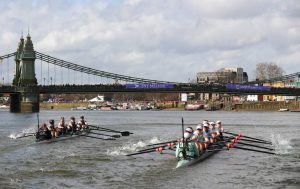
{"x":197,"y":141}
{"x":50,"y":131}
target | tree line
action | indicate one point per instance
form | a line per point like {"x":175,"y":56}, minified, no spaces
{"x":268,"y":70}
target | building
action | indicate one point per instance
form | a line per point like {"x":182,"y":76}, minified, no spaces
{"x":224,"y":75}
{"x":297,"y":85}
{"x":252,"y":98}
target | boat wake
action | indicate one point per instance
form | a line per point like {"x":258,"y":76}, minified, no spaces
{"x":23,"y":133}
{"x":131,"y":147}
{"x":282,"y":144}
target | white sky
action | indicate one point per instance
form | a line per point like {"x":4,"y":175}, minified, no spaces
{"x":168,"y":40}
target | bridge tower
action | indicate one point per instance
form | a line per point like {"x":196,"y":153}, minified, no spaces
{"x":26,"y":98}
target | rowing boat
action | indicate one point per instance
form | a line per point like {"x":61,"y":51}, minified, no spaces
{"x":64,"y":136}
{"x":184,"y":162}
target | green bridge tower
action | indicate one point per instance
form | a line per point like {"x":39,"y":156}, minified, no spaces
{"x":26,"y":98}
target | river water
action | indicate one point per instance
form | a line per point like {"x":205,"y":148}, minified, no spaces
{"x":90,"y":163}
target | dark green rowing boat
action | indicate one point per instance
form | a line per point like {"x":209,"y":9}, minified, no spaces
{"x":41,"y":139}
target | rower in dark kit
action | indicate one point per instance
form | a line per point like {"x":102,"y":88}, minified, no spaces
{"x":44,"y":133}
{"x":51,"y":128}
{"x":71,"y":127}
{"x":61,"y":128}
{"x":220,"y":129}
{"x":82,"y":124}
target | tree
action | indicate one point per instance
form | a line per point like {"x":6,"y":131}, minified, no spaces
{"x":268,"y":71}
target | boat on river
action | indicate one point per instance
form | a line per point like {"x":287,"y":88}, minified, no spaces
{"x":184,"y":162}
{"x":296,"y":110}
{"x":62,"y":137}
{"x":283,"y":110}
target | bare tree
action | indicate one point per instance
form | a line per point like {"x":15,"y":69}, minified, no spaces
{"x":274,"y":71}
{"x":268,"y":71}
{"x":261,"y":71}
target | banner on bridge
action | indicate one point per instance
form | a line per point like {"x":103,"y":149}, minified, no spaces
{"x":247,"y":87}
{"x":149,"y":86}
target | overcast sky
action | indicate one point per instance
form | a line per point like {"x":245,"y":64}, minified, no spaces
{"x":158,"y":39}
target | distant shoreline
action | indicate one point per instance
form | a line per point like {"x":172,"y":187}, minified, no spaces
{"x":249,"y":107}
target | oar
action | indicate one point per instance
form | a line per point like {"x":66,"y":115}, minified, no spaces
{"x":156,"y":147}
{"x":162,"y":143}
{"x":262,"y":147}
{"x":218,"y":149}
{"x":123,"y":133}
{"x":143,"y":152}
{"x":98,"y":137}
{"x":27,"y":135}
{"x":254,"y":141}
{"x":248,"y":149}
{"x":114,"y":136}
{"x":248,"y":137}
{"x":184,"y":144}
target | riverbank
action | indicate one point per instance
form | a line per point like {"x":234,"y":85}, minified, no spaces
{"x":61,"y":106}
{"x":245,"y":106}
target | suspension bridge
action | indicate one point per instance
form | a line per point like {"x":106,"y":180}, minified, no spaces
{"x":34,"y":73}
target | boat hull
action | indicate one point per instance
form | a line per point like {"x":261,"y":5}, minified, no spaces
{"x":187,"y":162}
{"x":63,"y":137}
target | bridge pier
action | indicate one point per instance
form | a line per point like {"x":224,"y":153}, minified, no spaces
{"x":26,"y":98}
{"x":24,"y":103}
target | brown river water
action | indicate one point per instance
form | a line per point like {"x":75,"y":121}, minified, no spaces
{"x":91,"y":163}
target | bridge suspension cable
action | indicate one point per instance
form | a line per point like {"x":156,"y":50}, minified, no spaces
{"x":92,"y":71}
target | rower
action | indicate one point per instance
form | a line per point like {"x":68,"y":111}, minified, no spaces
{"x":51,"y":128}
{"x":79,"y":126}
{"x":206,"y":135}
{"x":198,"y":138}
{"x":82,"y":122}
{"x":71,"y":127}
{"x":205,"y":122}
{"x":220,"y":129}
{"x":213,"y":132}
{"x":44,"y":132}
{"x":61,"y":128}
{"x":187,"y":146}
{"x":189,"y":130}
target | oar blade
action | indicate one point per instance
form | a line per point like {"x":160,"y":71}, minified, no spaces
{"x":24,"y":136}
{"x":126,"y":133}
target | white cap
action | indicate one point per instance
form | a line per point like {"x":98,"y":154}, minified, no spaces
{"x":205,"y":125}
{"x":218,"y":122}
{"x":189,"y":130}
{"x":212,"y":123}
{"x":199,"y":127}
{"x":204,"y":122}
{"x":187,"y":135}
